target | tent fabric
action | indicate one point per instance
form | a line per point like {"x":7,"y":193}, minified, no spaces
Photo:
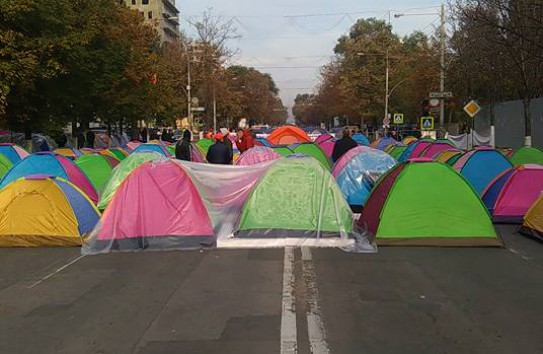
{"x":357,"y":172}
{"x":150,"y":148}
{"x":419,"y":148}
{"x":446,"y":156}
{"x":312,"y":150}
{"x":323,"y":137}
{"x":13,"y":152}
{"x":447,"y":211}
{"x":204,"y":145}
{"x":409,"y":140}
{"x":397,"y":151}
{"x":328,"y":147}
{"x":382,"y":143}
{"x":257,"y":155}
{"x":527,"y":155}
{"x":361,"y":139}
{"x":310,"y":205}
{"x":512,"y":193}
{"x":5,"y":165}
{"x":533,"y":220}
{"x":53,"y":165}
{"x":283,"y":150}
{"x":288,"y":134}
{"x":133,"y":144}
{"x":117,"y":153}
{"x":97,"y":168}
{"x":435,"y":148}
{"x":481,"y":166}
{"x":196,"y":154}
{"x":122,"y":171}
{"x":413,"y":148}
{"x":44,"y":211}
{"x":157,"y":207}
{"x":68,"y":152}
{"x":262,"y":142}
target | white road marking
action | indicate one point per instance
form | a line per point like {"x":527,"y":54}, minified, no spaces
{"x":306,"y":253}
{"x":289,"y":342}
{"x":315,"y":323}
{"x":55,"y":272}
{"x":524,"y":257}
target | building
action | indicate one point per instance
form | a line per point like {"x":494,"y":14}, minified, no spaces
{"x":162,"y":14}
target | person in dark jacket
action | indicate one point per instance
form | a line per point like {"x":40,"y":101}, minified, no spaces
{"x":218,"y":153}
{"x":226,"y":141}
{"x":343,"y":145}
{"x":182,"y":148}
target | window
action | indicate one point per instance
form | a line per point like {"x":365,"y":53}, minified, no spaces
{"x":142,"y":14}
{"x":150,"y":15}
{"x":145,"y":2}
{"x":134,"y":2}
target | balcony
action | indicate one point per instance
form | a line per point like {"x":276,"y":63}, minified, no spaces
{"x":169,"y":6}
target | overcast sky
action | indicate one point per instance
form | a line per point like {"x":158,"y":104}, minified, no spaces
{"x":290,"y":39}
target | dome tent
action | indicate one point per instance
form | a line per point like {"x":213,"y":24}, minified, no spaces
{"x":448,"y":212}
{"x":256,"y":155}
{"x":13,"y":152}
{"x":288,"y":134}
{"x":44,"y":211}
{"x":47,"y":163}
{"x":97,"y":168}
{"x":152,"y":147}
{"x":157,"y":208}
{"x":527,"y":155}
{"x":295,"y":198}
{"x":5,"y":165}
{"x":533,"y":220}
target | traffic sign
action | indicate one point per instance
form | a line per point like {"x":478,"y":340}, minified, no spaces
{"x":398,"y":118}
{"x":386,"y":121}
{"x":445,"y":94}
{"x":472,"y":108}
{"x":427,"y":123}
{"x":198,"y":109}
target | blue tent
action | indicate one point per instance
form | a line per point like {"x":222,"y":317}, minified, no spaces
{"x":264,"y":142}
{"x":493,"y":192}
{"x":152,"y":148}
{"x":384,"y":142}
{"x":361,"y":139}
{"x":481,"y":166}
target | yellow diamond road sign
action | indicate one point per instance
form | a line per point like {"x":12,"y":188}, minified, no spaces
{"x":472,"y":108}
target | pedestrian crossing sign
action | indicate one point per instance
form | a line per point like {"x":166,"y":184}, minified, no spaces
{"x":398,"y":118}
{"x":427,"y":123}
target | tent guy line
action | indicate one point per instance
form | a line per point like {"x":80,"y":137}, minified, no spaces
{"x":73,"y":261}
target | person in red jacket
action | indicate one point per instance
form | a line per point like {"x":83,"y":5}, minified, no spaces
{"x":244,"y":140}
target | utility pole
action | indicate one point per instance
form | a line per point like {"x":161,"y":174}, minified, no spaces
{"x":387,"y":72}
{"x":442,"y":69}
{"x":189,"y":98}
{"x":214,"y":109}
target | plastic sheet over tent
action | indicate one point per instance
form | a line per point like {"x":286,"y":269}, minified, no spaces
{"x":44,"y":211}
{"x":122,"y":171}
{"x":481,"y":166}
{"x":358,"y":170}
{"x":512,"y":193}
{"x":527,"y":155}
{"x":46,"y":163}
{"x":447,"y":211}
{"x":287,"y":135}
{"x":13,"y":152}
{"x":257,"y":155}
{"x":97,"y":168}
{"x":152,"y":148}
{"x":157,"y":208}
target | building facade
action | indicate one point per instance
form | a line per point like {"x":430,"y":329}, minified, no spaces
{"x":161,"y":14}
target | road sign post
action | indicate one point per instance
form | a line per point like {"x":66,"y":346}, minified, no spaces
{"x":427,"y":123}
{"x":471,"y":109}
{"x":398,"y":118}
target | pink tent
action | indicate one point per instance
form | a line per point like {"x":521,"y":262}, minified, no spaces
{"x":322,"y":138}
{"x":512,"y":193}
{"x":257,"y":155}
{"x":328,"y":147}
{"x":133,"y":144}
{"x":419,"y":149}
{"x":196,"y":154}
{"x":156,"y":207}
{"x":434,"y":149}
{"x":344,"y":160}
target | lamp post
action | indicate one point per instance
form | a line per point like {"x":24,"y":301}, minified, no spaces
{"x":442,"y":37}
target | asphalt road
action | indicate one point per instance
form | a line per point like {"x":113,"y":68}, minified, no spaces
{"x":401,"y":300}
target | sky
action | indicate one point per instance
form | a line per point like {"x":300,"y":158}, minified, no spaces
{"x":291,"y":39}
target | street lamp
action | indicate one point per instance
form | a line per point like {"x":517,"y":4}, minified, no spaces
{"x":442,"y":58}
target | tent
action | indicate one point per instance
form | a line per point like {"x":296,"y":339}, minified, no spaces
{"x":283,"y":150}
{"x":98,"y":169}
{"x":361,"y":139}
{"x":382,"y":143}
{"x":328,"y":147}
{"x":152,"y":148}
{"x":296,"y":197}
{"x":312,"y":150}
{"x":527,"y":155}
{"x":447,"y":211}
{"x":322,"y":138}
{"x":122,"y":171}
{"x":533,"y":220}
{"x":13,"y":152}
{"x":397,"y":151}
{"x":435,"y":148}
{"x":87,"y":151}
{"x":131,"y":145}
{"x":288,"y":134}
{"x":68,"y":152}
{"x":357,"y":171}
{"x":448,"y":156}
{"x":409,"y":140}
{"x":262,"y":142}
{"x":510,"y":195}
{"x":5,"y":165}
{"x":47,"y":163}
{"x":196,"y":154}
{"x":257,"y":155}
{"x":204,"y":145}
{"x":157,"y":207}
{"x":117,"y":153}
{"x":481,"y":166}
{"x":44,"y":211}
{"x":419,"y":148}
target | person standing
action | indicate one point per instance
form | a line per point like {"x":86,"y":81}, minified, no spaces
{"x":90,"y":139}
{"x":228,"y":143}
{"x":182,"y":148}
{"x":343,"y":145}
{"x":144,"y":135}
{"x":244,"y":140}
{"x":218,"y":153}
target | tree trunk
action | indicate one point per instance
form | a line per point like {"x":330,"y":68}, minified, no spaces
{"x":527,"y":121}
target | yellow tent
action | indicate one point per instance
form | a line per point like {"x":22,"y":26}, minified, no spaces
{"x":533,"y":220}
{"x":44,"y":211}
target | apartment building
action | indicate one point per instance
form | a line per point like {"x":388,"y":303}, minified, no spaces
{"x":162,"y":14}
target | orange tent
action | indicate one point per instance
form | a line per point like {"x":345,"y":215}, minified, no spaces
{"x":287,"y":135}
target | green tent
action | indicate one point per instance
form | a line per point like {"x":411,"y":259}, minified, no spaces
{"x":117,"y":153}
{"x":5,"y":165}
{"x":296,"y":197}
{"x":427,"y":203}
{"x":312,"y":150}
{"x":97,"y":168}
{"x":527,"y":155}
{"x":397,"y":151}
{"x":283,"y":150}
{"x":122,"y":171}
{"x":204,"y":145}
{"x":171,"y":149}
